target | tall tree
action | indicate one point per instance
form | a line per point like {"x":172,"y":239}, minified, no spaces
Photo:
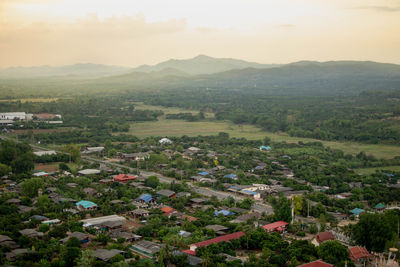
{"x":282,"y":210}
{"x":373,"y":231}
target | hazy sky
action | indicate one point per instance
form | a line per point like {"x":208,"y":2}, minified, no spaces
{"x":131,"y":32}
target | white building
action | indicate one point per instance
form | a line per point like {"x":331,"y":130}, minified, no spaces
{"x":45,"y":152}
{"x":165,"y":141}
{"x":16,"y":116}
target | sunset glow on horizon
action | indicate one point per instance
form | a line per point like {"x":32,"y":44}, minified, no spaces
{"x":131,"y":33}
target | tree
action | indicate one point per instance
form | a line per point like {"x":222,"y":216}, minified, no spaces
{"x":333,"y":252}
{"x":70,"y":255}
{"x":373,"y":231}
{"x":4,"y":169}
{"x":23,"y":163}
{"x":30,"y":187}
{"x":86,"y":259}
{"x":44,"y":228}
{"x":152,"y":181}
{"x":282,"y":210}
{"x":74,"y":152}
{"x":298,"y":204}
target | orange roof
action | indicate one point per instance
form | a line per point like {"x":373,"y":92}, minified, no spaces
{"x":190,"y":218}
{"x":277,"y":226}
{"x":324,"y":236}
{"x":167,"y":210}
{"x":124,"y":177}
{"x":358,"y":253}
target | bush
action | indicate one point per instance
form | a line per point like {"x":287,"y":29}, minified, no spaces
{"x":44,"y":228}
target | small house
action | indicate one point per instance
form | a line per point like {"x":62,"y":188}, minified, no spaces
{"x":166,"y":193}
{"x":86,"y":205}
{"x":279,"y":227}
{"x":124,"y":178}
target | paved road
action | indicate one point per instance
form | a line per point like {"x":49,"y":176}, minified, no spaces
{"x":258,"y":206}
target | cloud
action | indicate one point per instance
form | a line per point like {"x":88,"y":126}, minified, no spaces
{"x":90,"y":39}
{"x":379,"y":8}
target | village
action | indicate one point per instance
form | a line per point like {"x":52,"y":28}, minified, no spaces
{"x":184,"y":201}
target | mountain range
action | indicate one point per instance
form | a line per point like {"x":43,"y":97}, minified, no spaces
{"x":299,"y":78}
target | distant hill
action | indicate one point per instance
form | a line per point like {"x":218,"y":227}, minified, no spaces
{"x":83,"y":70}
{"x":203,"y":65}
{"x":308,"y":77}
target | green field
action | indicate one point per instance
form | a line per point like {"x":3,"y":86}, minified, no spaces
{"x":372,"y":170}
{"x":164,"y":127}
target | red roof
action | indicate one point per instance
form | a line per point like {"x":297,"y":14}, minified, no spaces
{"x":167,"y":210}
{"x":219,"y":239}
{"x":317,"y":263}
{"x":358,"y":253}
{"x":190,"y":218}
{"x":124,"y":177}
{"x":190,"y":252}
{"x":275,"y":226}
{"x":324,"y":236}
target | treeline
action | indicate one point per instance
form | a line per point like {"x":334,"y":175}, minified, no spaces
{"x":186,"y":116}
{"x":371,"y":117}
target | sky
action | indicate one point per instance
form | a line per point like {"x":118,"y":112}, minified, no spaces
{"x":132,"y":32}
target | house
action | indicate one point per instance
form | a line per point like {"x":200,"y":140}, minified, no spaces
{"x":356,"y":212}
{"x":146,"y":198}
{"x":359,"y":255}
{"x":278,"y":226}
{"x":44,"y":153}
{"x":71,"y":185}
{"x":379,"y":207}
{"x":124,"y":178}
{"x":39,"y":218}
{"x":129,"y":237}
{"x":86,"y":205}
{"x":166,"y":193}
{"x":99,"y":221}
{"x":223,"y":212}
{"x":13,"y":201}
{"x":246,"y":217}
{"x":197,"y":202}
{"x":224,"y":238}
{"x":106,"y":255}
{"x":168,"y":211}
{"x":13,"y":254}
{"x":193,"y":260}
{"x":185,"y":234}
{"x":265,"y":148}
{"x":16,"y":116}
{"x":322,"y":237}
{"x":31,"y":233}
{"x":135,"y":156}
{"x":317,"y":263}
{"x":88,"y":172}
{"x":189,"y":218}
{"x":6,"y":241}
{"x":231,"y":176}
{"x":146,"y":248}
{"x":183,"y":194}
{"x":89,"y":191}
{"x":92,"y":150}
{"x":249,"y":193}
{"x":165,"y":141}
{"x":219,"y":229}
{"x":203,"y":173}
{"x":84,"y":238}
{"x":106,"y":181}
{"x":138,"y":213}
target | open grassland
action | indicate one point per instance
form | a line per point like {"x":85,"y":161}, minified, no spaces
{"x":24,"y":100}
{"x":372,"y":170}
{"x":165,"y":127}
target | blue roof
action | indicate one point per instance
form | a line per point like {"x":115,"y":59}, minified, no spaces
{"x":86,"y":204}
{"x":146,"y":197}
{"x":250,"y":192}
{"x":230,"y":176}
{"x":357,"y":211}
{"x":390,"y":174}
{"x":223,"y":212}
{"x":234,"y":187}
{"x":203,"y":173}
{"x":265,"y":147}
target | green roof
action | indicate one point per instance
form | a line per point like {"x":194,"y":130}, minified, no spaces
{"x":379,"y":206}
